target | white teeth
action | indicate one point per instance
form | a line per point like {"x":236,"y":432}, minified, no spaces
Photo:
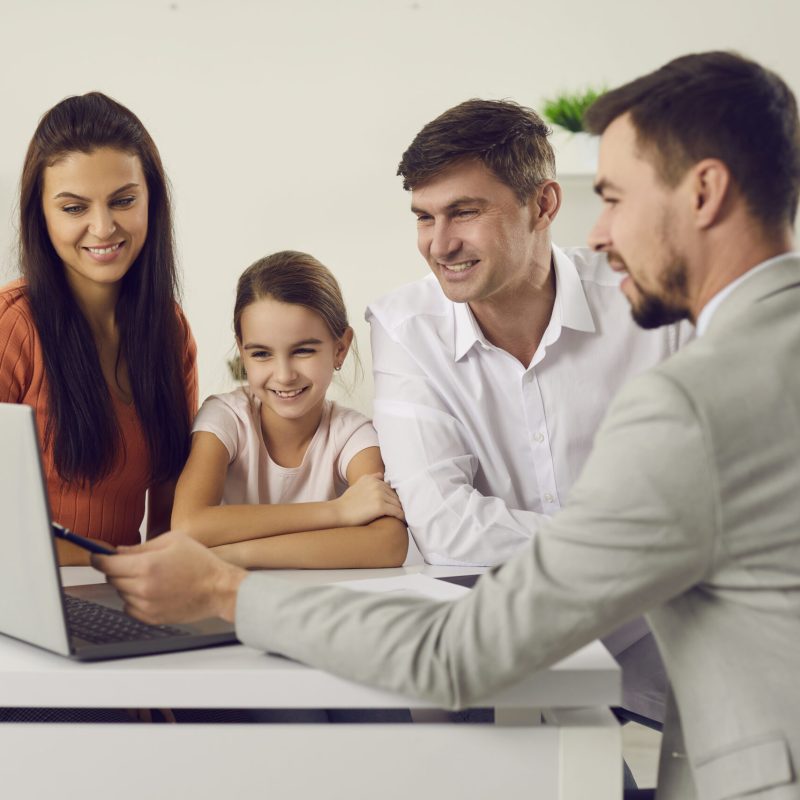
{"x":293,"y":393}
{"x":459,"y":267}
{"x":101,"y":251}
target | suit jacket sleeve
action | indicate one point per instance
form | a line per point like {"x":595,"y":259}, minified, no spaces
{"x":639,"y":528}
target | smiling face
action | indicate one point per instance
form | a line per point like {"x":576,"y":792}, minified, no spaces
{"x":95,"y":208}
{"x":289,"y":355}
{"x":641,"y":228}
{"x":477,"y":238}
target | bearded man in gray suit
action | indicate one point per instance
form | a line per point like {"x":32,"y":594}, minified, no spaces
{"x":688,"y":508}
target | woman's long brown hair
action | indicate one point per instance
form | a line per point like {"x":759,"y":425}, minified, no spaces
{"x":82,"y":426}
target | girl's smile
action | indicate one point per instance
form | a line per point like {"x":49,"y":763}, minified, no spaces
{"x":288,"y":394}
{"x":289,"y":355}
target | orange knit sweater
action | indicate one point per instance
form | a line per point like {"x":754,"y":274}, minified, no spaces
{"x":112,"y":509}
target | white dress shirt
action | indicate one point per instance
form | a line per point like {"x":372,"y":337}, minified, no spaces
{"x":481,"y":449}
{"x":478,"y":446}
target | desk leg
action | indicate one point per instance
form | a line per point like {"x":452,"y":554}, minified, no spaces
{"x":590,"y":753}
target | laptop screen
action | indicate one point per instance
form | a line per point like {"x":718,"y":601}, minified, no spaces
{"x":31,"y":608}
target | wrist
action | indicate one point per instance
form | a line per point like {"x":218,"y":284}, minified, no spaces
{"x":226,"y":591}
{"x":336,"y":514}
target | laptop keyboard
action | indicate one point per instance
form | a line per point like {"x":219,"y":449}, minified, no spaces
{"x":100,"y":624}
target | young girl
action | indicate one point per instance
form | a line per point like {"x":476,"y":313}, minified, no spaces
{"x":267,"y":479}
{"x":91,"y":337}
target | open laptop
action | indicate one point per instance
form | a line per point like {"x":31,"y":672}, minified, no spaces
{"x":81,"y":622}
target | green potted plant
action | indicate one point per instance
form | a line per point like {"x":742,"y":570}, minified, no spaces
{"x":567,"y":109}
{"x":576,"y":149}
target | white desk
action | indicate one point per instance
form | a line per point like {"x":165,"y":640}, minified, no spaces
{"x":554,"y":736}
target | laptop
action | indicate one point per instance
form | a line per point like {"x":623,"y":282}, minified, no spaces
{"x":81,"y":622}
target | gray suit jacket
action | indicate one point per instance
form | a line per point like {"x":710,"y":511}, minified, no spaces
{"x":688,"y":509}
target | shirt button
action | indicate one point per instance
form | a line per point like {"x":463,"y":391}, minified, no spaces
{"x":548,"y":498}
{"x":538,"y":437}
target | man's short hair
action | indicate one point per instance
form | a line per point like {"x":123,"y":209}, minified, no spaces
{"x":716,"y":105}
{"x":510,"y":139}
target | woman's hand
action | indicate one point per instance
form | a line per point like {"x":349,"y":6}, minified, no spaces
{"x":369,"y":498}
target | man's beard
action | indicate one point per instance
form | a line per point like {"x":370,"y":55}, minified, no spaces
{"x":666,"y":307}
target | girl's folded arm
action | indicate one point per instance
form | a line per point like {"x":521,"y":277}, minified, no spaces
{"x":198,"y":512}
{"x":381,"y":543}
{"x":378,"y":542}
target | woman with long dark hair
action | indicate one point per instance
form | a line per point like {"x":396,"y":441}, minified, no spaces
{"x":91,"y":336}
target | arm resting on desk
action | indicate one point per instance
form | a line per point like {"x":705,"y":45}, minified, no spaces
{"x":431,"y":464}
{"x":353,"y":530}
{"x":638,"y":531}
{"x":198,"y":510}
{"x":381,"y":543}
{"x":602,"y":561}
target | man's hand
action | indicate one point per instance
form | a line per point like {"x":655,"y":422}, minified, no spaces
{"x":172,"y":579}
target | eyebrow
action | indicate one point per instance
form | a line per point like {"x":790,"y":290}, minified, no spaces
{"x":255,"y":346}
{"x":73,"y":196}
{"x":454,"y":204}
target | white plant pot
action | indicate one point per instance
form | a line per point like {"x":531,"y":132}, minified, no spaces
{"x":576,"y":153}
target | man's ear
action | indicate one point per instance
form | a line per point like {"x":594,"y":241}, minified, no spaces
{"x":342,"y":347}
{"x":710,"y":187}
{"x":544,"y":205}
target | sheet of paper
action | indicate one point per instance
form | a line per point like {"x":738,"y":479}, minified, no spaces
{"x":409,"y":584}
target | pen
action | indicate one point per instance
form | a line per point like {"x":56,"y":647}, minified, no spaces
{"x":87,"y":544}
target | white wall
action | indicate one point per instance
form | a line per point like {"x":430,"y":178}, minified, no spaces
{"x":281,"y":123}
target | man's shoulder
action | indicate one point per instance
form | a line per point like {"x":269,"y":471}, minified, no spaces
{"x":696,"y":372}
{"x":592,"y":267}
{"x":423,"y":299}
{"x":610,"y":308}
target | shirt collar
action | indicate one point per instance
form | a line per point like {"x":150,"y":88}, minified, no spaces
{"x":571,"y":310}
{"x":575,"y":312}
{"x":467,"y":331}
{"x":710,"y":308}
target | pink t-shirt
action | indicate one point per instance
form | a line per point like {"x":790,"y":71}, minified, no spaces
{"x":253,"y":477}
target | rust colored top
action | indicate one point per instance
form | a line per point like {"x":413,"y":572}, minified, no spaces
{"x":112,"y":509}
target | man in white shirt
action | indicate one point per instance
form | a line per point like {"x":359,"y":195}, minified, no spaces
{"x":493,"y":373}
